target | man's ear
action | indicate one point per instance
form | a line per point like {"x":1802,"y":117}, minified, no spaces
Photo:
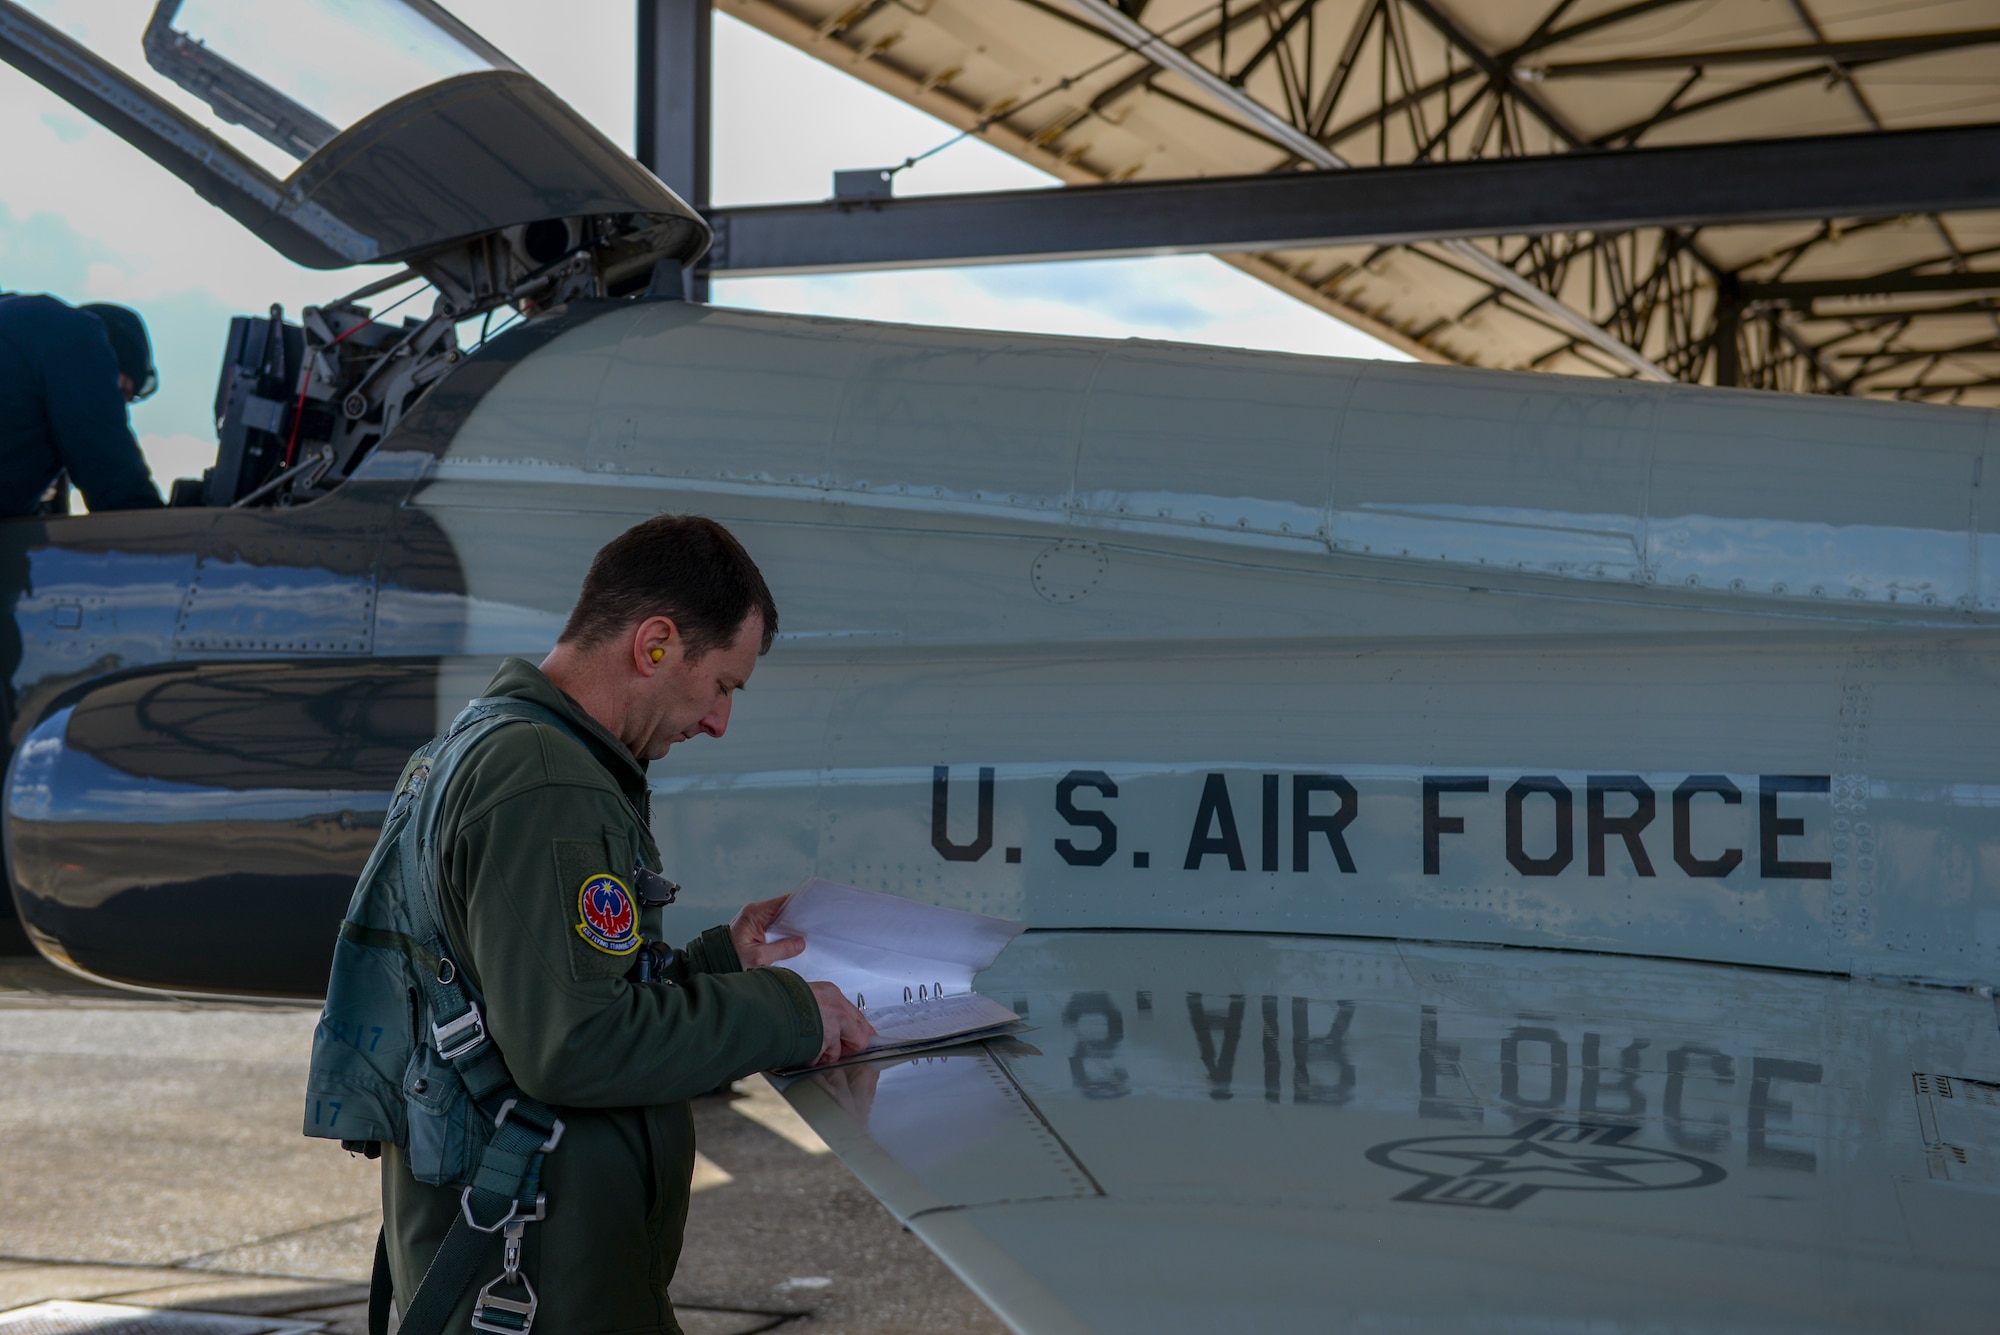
{"x":656,"y":641}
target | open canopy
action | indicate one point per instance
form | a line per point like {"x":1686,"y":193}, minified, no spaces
{"x":409,"y":131}
{"x":328,"y":67}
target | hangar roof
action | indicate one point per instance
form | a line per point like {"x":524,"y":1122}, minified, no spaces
{"x":1898,"y":307}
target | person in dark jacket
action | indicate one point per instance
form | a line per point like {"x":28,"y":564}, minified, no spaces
{"x":66,"y":376}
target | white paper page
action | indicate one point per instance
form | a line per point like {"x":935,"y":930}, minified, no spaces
{"x":874,"y":946}
{"x":921,"y":1021}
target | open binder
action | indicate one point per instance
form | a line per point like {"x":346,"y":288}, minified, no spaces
{"x":909,"y":967}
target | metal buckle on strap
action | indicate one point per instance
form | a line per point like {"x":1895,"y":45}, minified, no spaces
{"x":505,"y":1315}
{"x":508,"y":1315}
{"x":455,"y":1038}
{"x":555,"y":1132}
{"x":512,"y":1216}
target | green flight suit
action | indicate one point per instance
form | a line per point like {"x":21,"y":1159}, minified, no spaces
{"x":529,"y":817}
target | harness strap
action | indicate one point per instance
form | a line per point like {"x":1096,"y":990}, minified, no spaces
{"x":379,"y":938}
{"x":459,"y":1026}
{"x":451,"y":1273}
{"x":505,"y":1192}
{"x":509,"y":1178}
{"x":381,"y":1287}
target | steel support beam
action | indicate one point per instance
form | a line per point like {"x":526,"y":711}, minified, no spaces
{"x":1885,"y":285}
{"x":1831,"y":53}
{"x":1122,"y":27}
{"x":1843,"y":176}
{"x":672,"y":134}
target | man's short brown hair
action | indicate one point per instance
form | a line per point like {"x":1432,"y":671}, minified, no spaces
{"x":684,"y":567}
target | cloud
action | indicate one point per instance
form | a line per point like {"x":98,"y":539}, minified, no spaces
{"x":1188,"y":299}
{"x":43,"y":252}
{"x":171,"y":457}
{"x":1125,"y":292}
{"x":188,"y":328}
{"x":68,"y":129}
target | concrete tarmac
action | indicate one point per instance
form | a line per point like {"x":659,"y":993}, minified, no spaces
{"x":150,"y":1154}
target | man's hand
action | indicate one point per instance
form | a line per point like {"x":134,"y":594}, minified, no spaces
{"x":844,"y":1031}
{"x":747,"y":929}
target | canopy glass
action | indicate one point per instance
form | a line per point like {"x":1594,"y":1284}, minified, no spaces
{"x":277,"y":92}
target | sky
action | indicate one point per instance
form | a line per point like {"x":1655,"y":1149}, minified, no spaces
{"x":87,"y":218}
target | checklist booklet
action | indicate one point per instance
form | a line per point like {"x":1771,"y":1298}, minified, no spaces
{"x":907,"y":966}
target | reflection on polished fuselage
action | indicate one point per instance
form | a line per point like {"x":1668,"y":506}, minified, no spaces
{"x":1449,"y":1138}
{"x":1301,"y":1050}
{"x":1424,"y":653}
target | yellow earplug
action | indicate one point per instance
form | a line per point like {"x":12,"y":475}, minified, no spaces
{"x":658,"y":654}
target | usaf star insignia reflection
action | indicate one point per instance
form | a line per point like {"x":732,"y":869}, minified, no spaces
{"x":1500,"y":1172}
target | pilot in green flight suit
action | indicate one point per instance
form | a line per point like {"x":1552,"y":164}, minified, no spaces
{"x":540,"y":829}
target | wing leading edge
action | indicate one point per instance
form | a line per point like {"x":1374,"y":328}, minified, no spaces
{"x":1320,"y":1133}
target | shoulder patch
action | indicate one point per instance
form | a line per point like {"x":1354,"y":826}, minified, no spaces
{"x":607,"y":918}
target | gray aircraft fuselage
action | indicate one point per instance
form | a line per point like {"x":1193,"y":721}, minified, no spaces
{"x":1085,"y":633}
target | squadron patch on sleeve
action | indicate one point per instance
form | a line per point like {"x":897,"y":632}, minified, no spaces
{"x":606,"y":916}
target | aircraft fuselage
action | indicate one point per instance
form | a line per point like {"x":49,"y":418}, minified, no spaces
{"x":1089,"y":634}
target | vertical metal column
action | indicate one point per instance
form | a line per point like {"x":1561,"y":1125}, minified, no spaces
{"x":1728,"y":334}
{"x":673,"y":101}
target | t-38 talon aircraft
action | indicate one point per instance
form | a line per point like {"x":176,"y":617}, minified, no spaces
{"x":1504,"y":853}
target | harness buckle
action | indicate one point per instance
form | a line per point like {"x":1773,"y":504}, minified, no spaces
{"x":513,"y":1215}
{"x":555,"y":1131}
{"x":455,"y":1038}
{"x":507,"y":1316}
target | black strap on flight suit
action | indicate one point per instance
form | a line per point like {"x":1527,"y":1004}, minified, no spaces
{"x":505,"y":1193}
{"x":381,"y":1289}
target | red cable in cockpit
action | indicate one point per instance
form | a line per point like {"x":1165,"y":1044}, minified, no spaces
{"x":299,"y":408}
{"x":305,"y":380}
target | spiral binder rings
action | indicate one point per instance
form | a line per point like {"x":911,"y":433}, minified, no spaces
{"x":923,"y":993}
{"x":924,"y":1018}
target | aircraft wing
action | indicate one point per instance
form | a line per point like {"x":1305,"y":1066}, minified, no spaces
{"x":1213,"y":1132}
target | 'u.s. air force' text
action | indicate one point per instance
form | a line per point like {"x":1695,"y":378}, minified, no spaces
{"x":1302,"y":822}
